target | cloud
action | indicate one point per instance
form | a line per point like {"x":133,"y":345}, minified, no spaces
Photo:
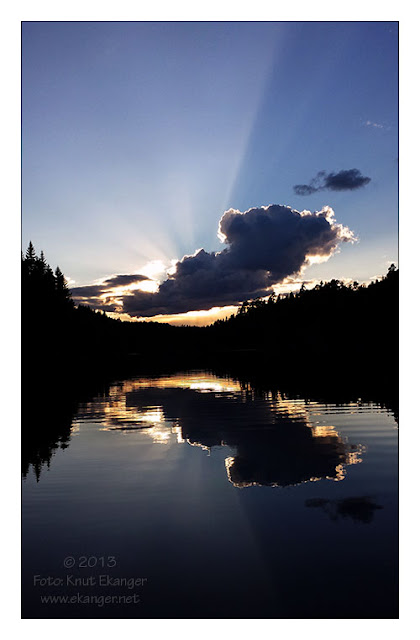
{"x":376,"y":125}
{"x":94,"y":294}
{"x":304,"y":189}
{"x":124,"y":280}
{"x":89,"y":291}
{"x":264,"y":246}
{"x":344,"y":180}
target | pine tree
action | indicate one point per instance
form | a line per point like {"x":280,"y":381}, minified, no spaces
{"x":30,"y":252}
{"x":30,"y":258}
{"x":42,"y":262}
{"x":61,"y":288}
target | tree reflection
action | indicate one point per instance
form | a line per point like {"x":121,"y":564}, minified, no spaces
{"x":48,"y":413}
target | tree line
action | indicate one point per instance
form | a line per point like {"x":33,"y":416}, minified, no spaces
{"x":42,"y":287}
{"x":332,"y":317}
{"x":334,"y":322}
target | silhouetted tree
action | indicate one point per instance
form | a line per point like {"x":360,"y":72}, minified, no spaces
{"x":30,"y":257}
{"x":62,"y":290}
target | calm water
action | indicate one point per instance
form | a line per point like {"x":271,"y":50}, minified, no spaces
{"x":193,"y":496}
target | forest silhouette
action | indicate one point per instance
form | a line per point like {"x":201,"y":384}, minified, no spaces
{"x":337,"y":343}
{"x":334,"y":329}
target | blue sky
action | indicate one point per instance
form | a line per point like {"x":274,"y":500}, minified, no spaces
{"x":136,"y":137}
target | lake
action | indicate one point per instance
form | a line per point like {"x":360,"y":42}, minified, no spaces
{"x":194,"y":495}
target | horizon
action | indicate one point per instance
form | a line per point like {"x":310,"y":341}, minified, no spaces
{"x":207,"y":318}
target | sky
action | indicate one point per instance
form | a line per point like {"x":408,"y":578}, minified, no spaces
{"x":171,"y":168}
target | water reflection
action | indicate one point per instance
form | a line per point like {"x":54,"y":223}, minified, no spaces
{"x":40,"y":442}
{"x":48,"y":413}
{"x":359,"y":509}
{"x":274,"y":441}
{"x":150,"y":477}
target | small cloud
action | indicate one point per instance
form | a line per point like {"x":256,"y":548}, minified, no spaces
{"x":95,"y":295}
{"x":304,"y":189}
{"x":344,"y":180}
{"x":376,"y":125}
{"x":124,"y":280}
{"x":87,"y":291}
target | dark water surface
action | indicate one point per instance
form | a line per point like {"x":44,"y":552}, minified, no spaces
{"x":194,"y":496}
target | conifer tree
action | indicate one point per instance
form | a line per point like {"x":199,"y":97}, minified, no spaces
{"x":61,"y":288}
{"x":30,"y":258}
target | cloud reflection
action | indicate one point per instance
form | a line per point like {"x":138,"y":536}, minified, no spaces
{"x":272,"y":440}
{"x":359,"y":509}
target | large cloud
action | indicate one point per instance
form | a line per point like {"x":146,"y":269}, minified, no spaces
{"x":264,"y":246}
{"x":345,"y":180}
